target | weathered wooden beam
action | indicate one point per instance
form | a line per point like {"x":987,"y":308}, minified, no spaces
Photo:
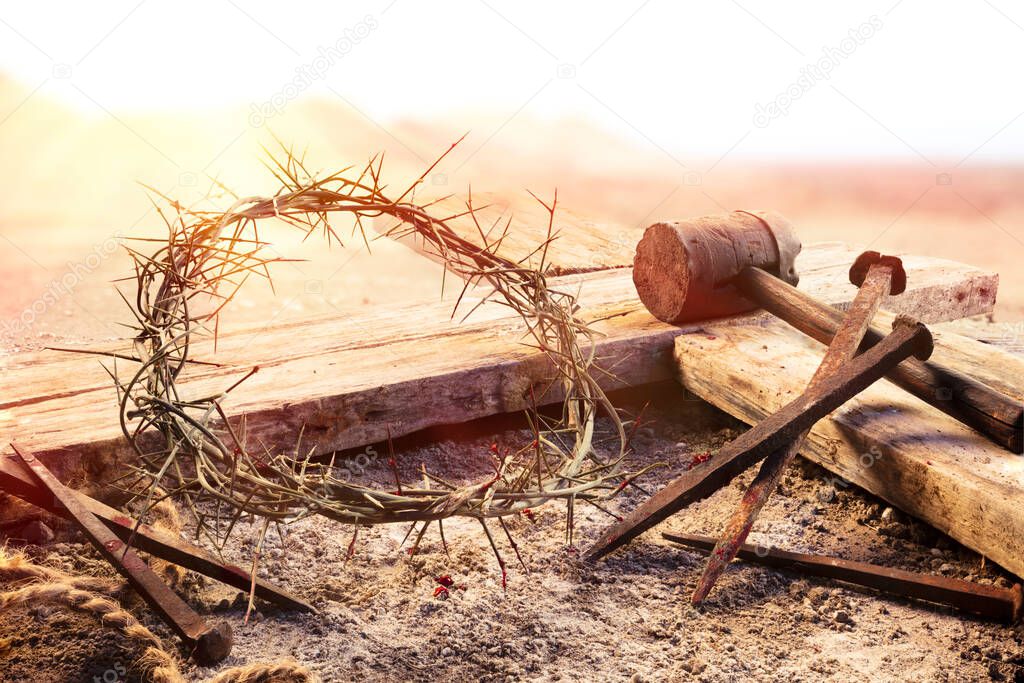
{"x":348,"y":381}
{"x":886,"y":441}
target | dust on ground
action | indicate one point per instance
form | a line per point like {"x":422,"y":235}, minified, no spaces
{"x":625,"y":618}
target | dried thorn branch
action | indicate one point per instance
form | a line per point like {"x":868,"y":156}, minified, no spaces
{"x":198,"y":269}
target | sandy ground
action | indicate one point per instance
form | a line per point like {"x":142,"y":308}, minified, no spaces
{"x":627,"y":618}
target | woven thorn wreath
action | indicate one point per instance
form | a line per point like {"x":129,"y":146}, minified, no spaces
{"x":189,"y":449}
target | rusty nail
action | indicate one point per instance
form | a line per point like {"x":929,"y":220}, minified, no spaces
{"x":908,"y":338}
{"x":993,"y":602}
{"x":877,"y":276}
{"x":17,"y":480}
{"x":208,"y":644}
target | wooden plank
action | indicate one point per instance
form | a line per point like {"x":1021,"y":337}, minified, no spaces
{"x":349,"y":380}
{"x":885,"y":440}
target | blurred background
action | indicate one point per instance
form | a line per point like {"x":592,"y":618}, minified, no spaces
{"x":897,"y":125}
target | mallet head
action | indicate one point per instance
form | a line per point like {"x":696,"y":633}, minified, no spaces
{"x":682,"y":270}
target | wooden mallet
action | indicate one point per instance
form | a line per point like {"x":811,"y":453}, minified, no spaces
{"x":724,"y":265}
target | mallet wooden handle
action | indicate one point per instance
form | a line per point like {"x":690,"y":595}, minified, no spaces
{"x":997,"y":416}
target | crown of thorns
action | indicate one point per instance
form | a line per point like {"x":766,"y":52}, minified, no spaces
{"x":201,"y":457}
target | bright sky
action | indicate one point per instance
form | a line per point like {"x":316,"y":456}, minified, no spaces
{"x":905,"y":79}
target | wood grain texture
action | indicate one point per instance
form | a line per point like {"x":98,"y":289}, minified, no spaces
{"x":885,"y":440}
{"x":348,"y":380}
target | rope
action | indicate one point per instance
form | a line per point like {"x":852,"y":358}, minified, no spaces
{"x":160,"y":665}
{"x":80,"y":592}
{"x":285,"y":671}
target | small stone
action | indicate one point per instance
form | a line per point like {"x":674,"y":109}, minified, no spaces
{"x":729,"y":647}
{"x":936,"y":552}
{"x":946,"y":568}
{"x":843,"y":617}
{"x":694,"y":666}
{"x":887,"y":514}
{"x":446,"y":652}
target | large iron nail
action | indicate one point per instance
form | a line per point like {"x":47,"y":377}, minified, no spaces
{"x":208,"y":644}
{"x":993,"y":602}
{"x":877,"y":277}
{"x":17,"y":480}
{"x":908,"y":338}
{"x":992,"y":413}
